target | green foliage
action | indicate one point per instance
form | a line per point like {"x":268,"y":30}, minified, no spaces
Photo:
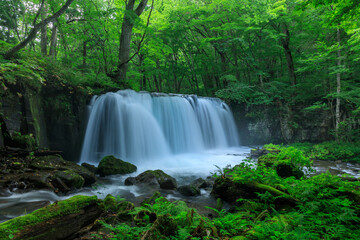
{"x":327,"y":207}
{"x":26,"y":141}
{"x":344,"y":151}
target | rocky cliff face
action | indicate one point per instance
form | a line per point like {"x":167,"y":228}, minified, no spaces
{"x":55,"y":116}
{"x":265,"y":124}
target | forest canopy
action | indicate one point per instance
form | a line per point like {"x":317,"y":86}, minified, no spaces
{"x":264,"y":52}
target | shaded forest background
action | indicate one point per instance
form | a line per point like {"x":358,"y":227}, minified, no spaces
{"x":293,"y":57}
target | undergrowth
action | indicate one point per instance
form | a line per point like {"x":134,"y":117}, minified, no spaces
{"x":319,"y":207}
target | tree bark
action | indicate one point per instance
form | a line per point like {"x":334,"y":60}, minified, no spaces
{"x":53,"y":41}
{"x":289,"y":60}
{"x":338,"y":87}
{"x":125,"y":37}
{"x":84,"y":53}
{"x":43,"y":39}
{"x":35,"y":30}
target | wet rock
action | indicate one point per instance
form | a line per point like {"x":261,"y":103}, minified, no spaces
{"x":88,"y":176}
{"x":256,"y":153}
{"x":70,"y":178}
{"x":90,"y":167}
{"x":39,"y":180}
{"x":51,"y":162}
{"x":57,"y":163}
{"x":200,"y":183}
{"x":130,"y":181}
{"x":153,"y":177}
{"x":189,"y":190}
{"x":110,"y":165}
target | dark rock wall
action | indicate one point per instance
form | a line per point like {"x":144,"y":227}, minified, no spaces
{"x":266,"y":124}
{"x":55,"y":116}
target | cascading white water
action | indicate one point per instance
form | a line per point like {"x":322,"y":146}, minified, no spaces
{"x":139,"y":126}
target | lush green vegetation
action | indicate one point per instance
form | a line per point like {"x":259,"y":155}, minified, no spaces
{"x":332,"y":151}
{"x":295,"y":56}
{"x":319,"y":207}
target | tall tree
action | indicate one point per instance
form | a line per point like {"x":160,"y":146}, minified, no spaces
{"x":130,"y":15}
{"x":10,"y":53}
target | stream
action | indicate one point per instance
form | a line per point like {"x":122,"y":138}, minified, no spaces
{"x":185,"y":168}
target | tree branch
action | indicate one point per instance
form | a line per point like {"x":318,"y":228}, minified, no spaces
{"x":35,"y":29}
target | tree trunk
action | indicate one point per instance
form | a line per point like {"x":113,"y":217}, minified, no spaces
{"x":43,"y":39}
{"x":289,"y":60}
{"x":53,"y":41}
{"x":35,"y":29}
{"x":84,"y":53}
{"x":338,"y":88}
{"x":125,"y":37}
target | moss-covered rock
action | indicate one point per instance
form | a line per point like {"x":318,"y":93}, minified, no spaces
{"x":110,"y":203}
{"x":90,"y":167}
{"x":230,"y":191}
{"x":111,"y":165}
{"x":189,"y":190}
{"x":50,"y":162}
{"x":27,"y":141}
{"x":59,"y":220}
{"x":288,"y":162}
{"x":151,"y":200}
{"x":163,"y":228}
{"x":70,"y":178}
{"x":164,"y":180}
{"x":124,"y":209}
{"x":57,"y":163}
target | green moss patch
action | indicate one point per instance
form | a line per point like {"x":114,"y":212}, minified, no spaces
{"x":73,"y":205}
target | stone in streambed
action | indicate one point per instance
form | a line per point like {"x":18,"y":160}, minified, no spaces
{"x":130,"y":181}
{"x":111,"y":165}
{"x":201,"y":183}
{"x":189,"y":190}
{"x":70,"y":178}
{"x":157,"y":177}
{"x":90,"y":167}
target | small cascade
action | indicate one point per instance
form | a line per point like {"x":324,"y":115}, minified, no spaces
{"x":140,"y":126}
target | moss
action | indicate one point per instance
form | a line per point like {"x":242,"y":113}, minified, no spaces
{"x":71,"y":178}
{"x":62,"y":208}
{"x":37,"y":116}
{"x":152,"y":199}
{"x":50,"y":162}
{"x":111,"y":165}
{"x":110,"y":203}
{"x":25,"y":141}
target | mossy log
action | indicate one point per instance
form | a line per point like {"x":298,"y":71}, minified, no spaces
{"x":60,"y":220}
{"x":230,"y":191}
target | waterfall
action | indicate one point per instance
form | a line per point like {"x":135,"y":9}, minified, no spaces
{"x":140,"y":126}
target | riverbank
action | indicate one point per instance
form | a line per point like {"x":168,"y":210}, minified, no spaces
{"x":282,"y":206}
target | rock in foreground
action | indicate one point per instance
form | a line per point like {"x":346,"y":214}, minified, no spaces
{"x":60,"y":220}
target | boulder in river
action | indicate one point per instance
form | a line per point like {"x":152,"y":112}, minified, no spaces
{"x":111,"y":165}
{"x":164,"y":180}
{"x":189,"y":190}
